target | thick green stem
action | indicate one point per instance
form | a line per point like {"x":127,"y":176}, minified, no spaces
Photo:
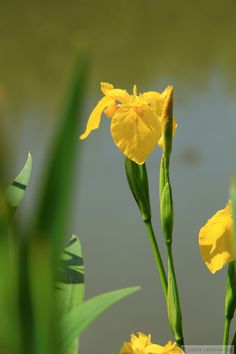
{"x":226,"y":334}
{"x":171,"y":269}
{"x":157,"y":257}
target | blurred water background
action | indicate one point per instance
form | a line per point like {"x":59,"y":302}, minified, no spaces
{"x":190,"y":44}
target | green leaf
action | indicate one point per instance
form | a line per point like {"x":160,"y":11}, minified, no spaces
{"x":71,"y":276}
{"x":70,"y":287}
{"x":52,"y":217}
{"x":10,"y":340}
{"x":15,"y":192}
{"x":75,"y":322}
{"x":46,"y":237}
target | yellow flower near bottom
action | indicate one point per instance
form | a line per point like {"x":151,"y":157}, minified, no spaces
{"x":141,"y":344}
{"x":216,"y":240}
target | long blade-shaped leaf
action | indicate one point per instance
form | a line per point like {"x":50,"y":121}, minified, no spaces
{"x":78,"y":319}
{"x":71,"y":277}
{"x":70,"y":287}
{"x":54,"y":207}
{"x":48,"y":231}
{"x":15,"y":192}
{"x":10,"y":341}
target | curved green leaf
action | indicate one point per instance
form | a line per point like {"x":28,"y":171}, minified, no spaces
{"x":70,"y":285}
{"x":15,"y":192}
{"x":75,"y":322}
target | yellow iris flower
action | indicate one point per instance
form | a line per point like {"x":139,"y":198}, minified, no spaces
{"x":216,"y":239}
{"x":141,"y":344}
{"x":136,"y":120}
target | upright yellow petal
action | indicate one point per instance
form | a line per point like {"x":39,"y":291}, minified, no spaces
{"x":119,"y":95}
{"x":95,"y":117}
{"x":106,"y":87}
{"x":136,"y":131}
{"x":115,"y":94}
{"x":216,"y":240}
{"x":155,"y":100}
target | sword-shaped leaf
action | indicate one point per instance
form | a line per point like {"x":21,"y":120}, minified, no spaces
{"x":49,"y":228}
{"x":75,"y":322}
{"x":52,"y":217}
{"x":10,"y":340}
{"x":70,"y":285}
{"x":15,"y":191}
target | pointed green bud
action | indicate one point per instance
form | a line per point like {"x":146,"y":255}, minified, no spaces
{"x":167,"y":122}
{"x":174,"y":311}
{"x":230,"y":298}
{"x":167,"y":214}
{"x":138,"y":183}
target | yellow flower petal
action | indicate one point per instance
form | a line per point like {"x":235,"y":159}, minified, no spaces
{"x":95,"y":117}
{"x":106,"y":87}
{"x":141,"y":344}
{"x":136,"y":120}
{"x":135,"y":130}
{"x":156,"y":101}
{"x":111,"y":110}
{"x":216,"y":240}
{"x":115,"y":94}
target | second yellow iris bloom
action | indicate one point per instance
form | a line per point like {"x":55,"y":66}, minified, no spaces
{"x":216,"y":239}
{"x":136,"y":120}
{"x":141,"y":344}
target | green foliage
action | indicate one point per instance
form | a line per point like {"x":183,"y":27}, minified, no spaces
{"x":51,"y":221}
{"x":10,"y":341}
{"x":76,"y":321}
{"x":15,"y":192}
{"x":41,"y":293}
{"x":70,"y":284}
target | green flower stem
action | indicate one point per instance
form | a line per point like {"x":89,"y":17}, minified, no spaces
{"x":226,"y":334}
{"x":171,"y":269}
{"x":157,"y":256}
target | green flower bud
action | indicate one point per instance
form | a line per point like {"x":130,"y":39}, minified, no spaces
{"x":167,"y":214}
{"x":230,"y":298}
{"x":138,"y":183}
{"x":173,"y":307}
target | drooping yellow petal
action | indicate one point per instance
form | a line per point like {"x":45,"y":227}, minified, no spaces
{"x":135,"y":130}
{"x":216,"y":240}
{"x":95,"y":117}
